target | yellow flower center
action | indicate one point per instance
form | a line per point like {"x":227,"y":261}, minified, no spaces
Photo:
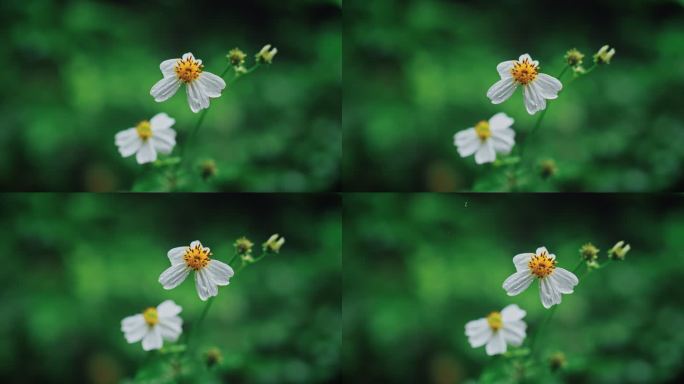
{"x":197,"y":257}
{"x":188,"y":70}
{"x":524,"y":72}
{"x":542,"y":265}
{"x":482,"y":130}
{"x":144,"y":129}
{"x":151,"y":317}
{"x":494,"y":320}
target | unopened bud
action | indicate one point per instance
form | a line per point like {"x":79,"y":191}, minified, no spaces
{"x":604,"y":55}
{"x":619,"y":251}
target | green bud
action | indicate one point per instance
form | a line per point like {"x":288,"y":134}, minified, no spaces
{"x":236,"y":57}
{"x":557,"y":361}
{"x":574,"y":57}
{"x":619,"y":251}
{"x":213,"y":357}
{"x":589,"y":252}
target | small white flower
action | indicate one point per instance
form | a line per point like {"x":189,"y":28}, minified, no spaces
{"x":553,"y":281}
{"x":486,"y":138}
{"x":154,"y":325}
{"x":200,"y":85}
{"x":537,"y":87}
{"x":497,"y":330}
{"x":147,"y":138}
{"x":209,"y":273}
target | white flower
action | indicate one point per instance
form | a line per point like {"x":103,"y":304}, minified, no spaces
{"x":486,"y":138}
{"x":147,"y":138}
{"x":552,"y":280}
{"x":154,"y":325}
{"x":537,"y":87}
{"x":200,"y":85}
{"x":497,"y":330}
{"x":209,"y":273}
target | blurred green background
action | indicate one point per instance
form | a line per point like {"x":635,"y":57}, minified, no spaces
{"x":76,"y":72}
{"x":419,"y":267}
{"x":75,"y":265}
{"x":417,"y":72}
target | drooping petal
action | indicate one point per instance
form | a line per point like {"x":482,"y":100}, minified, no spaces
{"x":467,"y":142}
{"x":212,"y":84}
{"x":549,"y":295}
{"x":522,"y":260}
{"x":503,"y":140}
{"x":518,"y":282}
{"x":500,"y":121}
{"x":134,"y":328}
{"x":152,"y":340}
{"x":161,"y":121}
{"x":176,"y":255}
{"x":533,"y":101}
{"x":502,"y":90}
{"x":146,"y":153}
{"x":202,"y":285}
{"x":514,"y":332}
{"x":504,"y":68}
{"x":486,"y":153}
{"x":196,"y":97}
{"x":565,"y":280}
{"x":210,"y":284}
{"x":165,"y":88}
{"x":496,"y":345}
{"x":220,"y":272}
{"x":478,"y":332}
{"x":168,"y":308}
{"x":548,"y":86}
{"x":167,"y":67}
{"x":512,"y":313}
{"x":174,"y":275}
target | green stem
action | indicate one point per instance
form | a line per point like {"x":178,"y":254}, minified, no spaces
{"x":199,"y":322}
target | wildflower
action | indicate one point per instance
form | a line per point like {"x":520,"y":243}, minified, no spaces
{"x":236,"y":57}
{"x":486,"y":139}
{"x":537,"y":87}
{"x":200,"y":85}
{"x":154,"y":325}
{"x":553,"y":281}
{"x":209,"y":273}
{"x":273,"y":243}
{"x":147,"y":138}
{"x":589,"y":252}
{"x":497,"y":330}
{"x":266,"y":54}
{"x":619,"y":251}
{"x":604,"y":55}
{"x":574,"y":57}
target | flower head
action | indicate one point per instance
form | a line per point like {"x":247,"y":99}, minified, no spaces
{"x":553,"y":280}
{"x":200,"y":84}
{"x":497,"y":330}
{"x":619,"y":251}
{"x":574,"y":57}
{"x":274,"y":243}
{"x":236,"y":57}
{"x":209,"y":273}
{"x":486,"y":138}
{"x":589,"y":252}
{"x":604,"y":55}
{"x":147,"y":138}
{"x":154,"y":325}
{"x":537,"y":87}
{"x":266,"y":54}
{"x":243,"y":247}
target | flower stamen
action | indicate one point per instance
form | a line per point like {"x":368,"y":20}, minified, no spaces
{"x":482,"y":130}
{"x":144,"y":129}
{"x":197,"y":257}
{"x":188,"y":70}
{"x":495,"y":321}
{"x":542,"y":265}
{"x":524,"y":71}
{"x":151,"y":316}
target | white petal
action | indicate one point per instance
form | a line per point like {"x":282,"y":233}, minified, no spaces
{"x":514,"y":332}
{"x":525,"y":56}
{"x":174,"y":275}
{"x":496,"y":344}
{"x":220,"y":272}
{"x":176,"y":255}
{"x":521,"y":260}
{"x":565,"y":280}
{"x":168,"y":308}
{"x":195,"y":244}
{"x":541,"y":251}
{"x":161,"y":121}
{"x":170,"y":328}
{"x":165,"y":88}
{"x":210,"y":284}
{"x":146,"y":153}
{"x":502,"y":90}
{"x":125,"y":136}
{"x":134,"y":328}
{"x":518,"y":282}
{"x":500,"y":120}
{"x":188,"y":55}
{"x":549,"y":86}
{"x":152,"y":340}
{"x":548,"y":293}
{"x":201,"y":284}
{"x":512,"y":313}
{"x":196,"y":99}
{"x":213,"y":85}
{"x":478,"y":332}
{"x":467,"y":142}
{"x":503,"y":140}
{"x":167,"y":67}
{"x":164,"y":141}
{"x":130,"y":147}
{"x":533,"y":100}
{"x":486,"y":153}
{"x":475,"y":326}
{"x":504,"y":68}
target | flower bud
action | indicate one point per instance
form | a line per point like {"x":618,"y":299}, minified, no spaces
{"x":589,"y":252}
{"x":548,"y":168}
{"x":557,"y":361}
{"x":574,"y":57}
{"x":213,"y":357}
{"x":243,"y":247}
{"x":619,"y":251}
{"x":604,"y":55}
{"x":208,"y":169}
{"x":236,"y":57}
{"x":265,"y":56}
{"x":274,"y":243}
